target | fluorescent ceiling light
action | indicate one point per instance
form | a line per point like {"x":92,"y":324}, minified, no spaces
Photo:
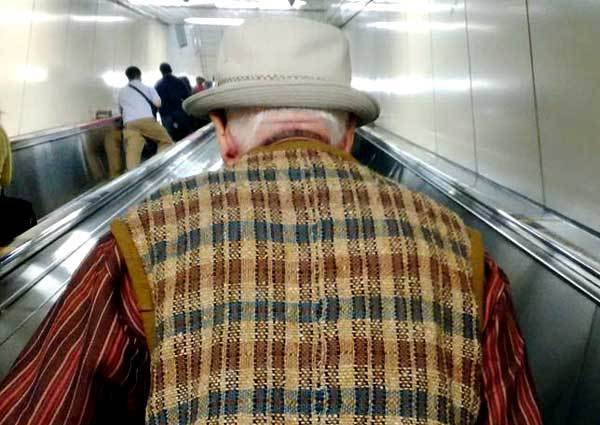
{"x":416,"y":27}
{"x":150,"y":78}
{"x":32,"y":74}
{"x":259,"y":4}
{"x":172,"y":3}
{"x":9,"y":17}
{"x":411,"y":85}
{"x":401,"y":7}
{"x":98,"y":18}
{"x":114,"y":79}
{"x":224,"y":4}
{"x":215,"y":21}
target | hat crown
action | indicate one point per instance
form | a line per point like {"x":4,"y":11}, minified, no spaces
{"x":283,"y":49}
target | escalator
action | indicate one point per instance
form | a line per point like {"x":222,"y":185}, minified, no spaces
{"x":38,"y":265}
{"x":553,"y":264}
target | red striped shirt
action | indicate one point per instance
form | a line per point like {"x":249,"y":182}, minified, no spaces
{"x":509,"y":396}
{"x":88,"y":362}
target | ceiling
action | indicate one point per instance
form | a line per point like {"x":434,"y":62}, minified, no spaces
{"x":206,"y":38}
{"x":176,"y":11}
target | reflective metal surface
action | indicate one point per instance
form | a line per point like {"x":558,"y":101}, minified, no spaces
{"x":67,"y":217}
{"x":31,"y":288}
{"x":52,"y":134}
{"x":525,"y":223}
{"x":554,"y":284}
{"x":506,"y":88}
{"x":63,"y":60}
{"x":55,"y":166}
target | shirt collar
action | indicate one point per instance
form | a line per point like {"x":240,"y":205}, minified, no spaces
{"x":297,"y":143}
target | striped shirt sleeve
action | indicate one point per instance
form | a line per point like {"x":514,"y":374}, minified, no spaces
{"x":508,"y":391}
{"x":88,"y":361}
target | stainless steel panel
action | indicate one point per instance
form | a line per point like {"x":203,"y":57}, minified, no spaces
{"x":566,"y":64}
{"x":67,"y":217}
{"x":585,"y":408}
{"x":391,"y":49}
{"x":516,"y":217}
{"x":452,"y":83}
{"x":46,"y":274}
{"x":503,"y":95}
{"x":53,"y":167}
{"x":555,"y":317}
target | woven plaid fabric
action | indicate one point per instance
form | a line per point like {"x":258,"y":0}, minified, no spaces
{"x":301,"y":287}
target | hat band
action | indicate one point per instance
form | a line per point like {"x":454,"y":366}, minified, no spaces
{"x":267,"y":77}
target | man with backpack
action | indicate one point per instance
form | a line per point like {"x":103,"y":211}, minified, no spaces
{"x":139,"y":104}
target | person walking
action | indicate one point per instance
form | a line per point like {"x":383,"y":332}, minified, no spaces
{"x":173,"y":92}
{"x":138,"y":104}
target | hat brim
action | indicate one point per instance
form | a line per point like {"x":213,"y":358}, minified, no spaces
{"x":288,"y":94}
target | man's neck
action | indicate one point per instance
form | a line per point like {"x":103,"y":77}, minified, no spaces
{"x":294,"y":143}
{"x":294,"y":134}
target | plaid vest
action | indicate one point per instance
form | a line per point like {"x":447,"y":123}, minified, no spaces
{"x":301,"y":287}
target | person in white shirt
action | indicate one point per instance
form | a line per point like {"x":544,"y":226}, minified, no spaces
{"x":138,"y":104}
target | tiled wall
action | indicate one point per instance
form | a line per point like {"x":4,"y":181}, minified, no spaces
{"x":507,"y":88}
{"x":186,"y":60}
{"x":62,"y":59}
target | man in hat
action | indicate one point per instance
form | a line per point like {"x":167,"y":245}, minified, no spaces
{"x":295,"y":285}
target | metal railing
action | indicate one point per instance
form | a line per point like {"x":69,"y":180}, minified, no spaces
{"x":66,"y":217}
{"x":520,"y":220}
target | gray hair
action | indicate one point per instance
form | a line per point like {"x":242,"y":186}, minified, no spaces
{"x":243,"y":124}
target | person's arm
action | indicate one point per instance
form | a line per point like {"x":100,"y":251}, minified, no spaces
{"x":508,"y":390}
{"x":87,"y":363}
{"x":185,"y":92}
{"x":154,"y":97}
{"x":5,"y":159}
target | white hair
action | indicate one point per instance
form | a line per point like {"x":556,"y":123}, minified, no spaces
{"x":244,"y":124}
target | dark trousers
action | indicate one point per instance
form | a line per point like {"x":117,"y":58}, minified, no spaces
{"x":178,"y":125}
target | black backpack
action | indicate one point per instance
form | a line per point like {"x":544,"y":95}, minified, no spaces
{"x":16,"y":217}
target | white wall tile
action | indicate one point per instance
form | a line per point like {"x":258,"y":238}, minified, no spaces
{"x":474,"y":91}
{"x":452,"y":85}
{"x":61,"y":63}
{"x":185,"y":60}
{"x":503,"y":100}
{"x":79,"y":62}
{"x":104,"y":60}
{"x":391,"y":59}
{"x":44,"y":87}
{"x":15,"y":25}
{"x":565,"y":40}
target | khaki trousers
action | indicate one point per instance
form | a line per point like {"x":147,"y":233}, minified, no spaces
{"x":112,"y":146}
{"x":136,"y":131}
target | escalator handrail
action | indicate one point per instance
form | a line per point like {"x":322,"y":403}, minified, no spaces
{"x":574,"y":267}
{"x":66,"y":217}
{"x":45,"y":136}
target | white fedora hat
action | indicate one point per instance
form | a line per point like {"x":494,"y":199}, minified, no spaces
{"x":284,"y":62}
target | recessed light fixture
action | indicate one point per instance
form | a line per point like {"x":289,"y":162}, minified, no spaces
{"x":215,"y":21}
{"x":32,"y":74}
{"x":259,"y":4}
{"x":98,"y":18}
{"x":226,"y":4}
{"x":170,"y":3}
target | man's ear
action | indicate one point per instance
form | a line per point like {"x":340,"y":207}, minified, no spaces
{"x":348,"y":139}
{"x":229,"y":151}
